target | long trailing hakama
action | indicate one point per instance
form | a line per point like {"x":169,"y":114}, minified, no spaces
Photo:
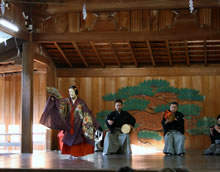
{"x":77,"y":122}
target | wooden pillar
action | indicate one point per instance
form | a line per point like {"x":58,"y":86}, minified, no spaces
{"x":27,"y":98}
{"x":51,"y":82}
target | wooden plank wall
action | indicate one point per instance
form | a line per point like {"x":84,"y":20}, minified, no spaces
{"x":10,"y":97}
{"x":128,"y":20}
{"x":91,"y":89}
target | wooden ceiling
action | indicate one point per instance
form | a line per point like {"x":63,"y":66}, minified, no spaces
{"x":133,"y":53}
{"x":126,"y":33}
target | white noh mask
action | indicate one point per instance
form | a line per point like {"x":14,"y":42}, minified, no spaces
{"x":72,"y":93}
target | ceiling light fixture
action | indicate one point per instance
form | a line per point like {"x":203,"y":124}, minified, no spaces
{"x":8,"y":25}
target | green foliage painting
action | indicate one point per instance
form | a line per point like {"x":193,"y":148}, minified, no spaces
{"x":135,"y":104}
{"x":149,"y":99}
{"x":203,"y":125}
{"x":152,"y":87}
{"x":145,"y":134}
{"x":188,"y":110}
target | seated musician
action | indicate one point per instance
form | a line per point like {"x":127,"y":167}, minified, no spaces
{"x":115,"y":141}
{"x":173,"y":125}
{"x":214,"y":148}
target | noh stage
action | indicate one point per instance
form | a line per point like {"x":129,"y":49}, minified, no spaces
{"x":56,"y":162}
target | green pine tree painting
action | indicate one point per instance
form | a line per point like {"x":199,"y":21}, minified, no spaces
{"x":147,"y":101}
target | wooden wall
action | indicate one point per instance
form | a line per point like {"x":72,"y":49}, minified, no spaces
{"x":91,"y":89}
{"x":10,"y":97}
{"x":129,"y":20}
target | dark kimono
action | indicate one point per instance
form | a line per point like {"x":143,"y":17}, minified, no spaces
{"x":177,"y":125}
{"x":75,"y":120}
{"x":174,"y":138}
{"x":119,"y":119}
{"x":214,"y":148}
{"x":115,"y":141}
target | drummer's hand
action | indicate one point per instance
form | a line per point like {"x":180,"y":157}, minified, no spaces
{"x":167,"y":121}
{"x":110,"y":122}
{"x":217,"y":128}
{"x":131,"y":128}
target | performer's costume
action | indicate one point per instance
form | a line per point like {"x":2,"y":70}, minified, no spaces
{"x":174,"y":138}
{"x":115,"y":141}
{"x":75,"y":120}
{"x":214,"y":148}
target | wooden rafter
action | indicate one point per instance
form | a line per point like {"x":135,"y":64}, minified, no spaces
{"x":187,"y":53}
{"x":63,"y":54}
{"x":44,"y":50}
{"x":169,"y":54}
{"x":97,"y":53}
{"x":115,"y":54}
{"x":80,"y":54}
{"x":46,"y":53}
{"x":205,"y":53}
{"x":151,"y":53}
{"x":132,"y":53}
{"x":41,"y":59}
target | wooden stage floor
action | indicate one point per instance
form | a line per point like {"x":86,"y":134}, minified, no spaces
{"x":54,"y":161}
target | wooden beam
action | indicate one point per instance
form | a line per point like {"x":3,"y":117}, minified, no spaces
{"x":46,"y":53}
{"x":27,"y":98}
{"x":151,"y":53}
{"x":80,"y":54}
{"x":133,"y":72}
{"x":63,"y":54}
{"x":115,"y":5}
{"x":205,"y":53}
{"x":10,"y":68}
{"x":115,"y":54}
{"x":97,"y":53}
{"x":187,"y":53}
{"x":44,"y":50}
{"x":169,"y":54}
{"x":7,"y":63}
{"x":17,"y":69}
{"x":132,"y":53}
{"x":125,"y":36}
{"x":41,"y":59}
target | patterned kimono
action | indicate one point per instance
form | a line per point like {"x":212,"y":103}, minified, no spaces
{"x":75,"y":120}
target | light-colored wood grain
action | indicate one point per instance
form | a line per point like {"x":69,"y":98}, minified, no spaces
{"x":206,"y":85}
